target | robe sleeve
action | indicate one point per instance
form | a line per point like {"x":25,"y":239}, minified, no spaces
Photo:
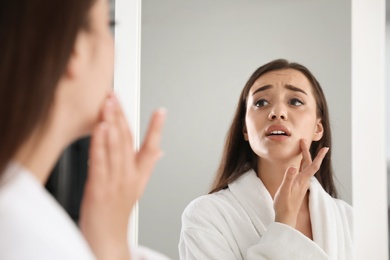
{"x":201,"y":244}
{"x":281,"y":241}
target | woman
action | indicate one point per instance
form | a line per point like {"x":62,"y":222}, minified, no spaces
{"x":269,"y":199}
{"x":56,"y":68}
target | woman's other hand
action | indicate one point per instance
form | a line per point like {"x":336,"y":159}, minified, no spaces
{"x":291,"y":193}
{"x":117,"y":177}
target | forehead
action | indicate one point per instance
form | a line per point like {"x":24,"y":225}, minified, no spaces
{"x":280,"y":78}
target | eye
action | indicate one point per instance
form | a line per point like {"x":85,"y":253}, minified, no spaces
{"x":295,"y":102}
{"x":261,"y":103}
{"x":112,"y":23}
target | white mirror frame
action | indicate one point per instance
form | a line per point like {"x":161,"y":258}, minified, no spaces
{"x":368,"y":114}
{"x":369,"y":185}
{"x":127,"y":76}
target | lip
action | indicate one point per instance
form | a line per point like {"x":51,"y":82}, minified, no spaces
{"x":277,"y":138}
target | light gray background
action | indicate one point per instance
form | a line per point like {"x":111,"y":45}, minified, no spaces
{"x":195,"y":59}
{"x":388,"y":84}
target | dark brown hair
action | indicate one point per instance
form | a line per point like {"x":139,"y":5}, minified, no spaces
{"x":238,"y":157}
{"x":37,"y":38}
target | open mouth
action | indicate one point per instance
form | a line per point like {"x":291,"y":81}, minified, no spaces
{"x":277,"y":132}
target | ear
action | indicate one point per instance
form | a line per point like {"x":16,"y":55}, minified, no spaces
{"x":319,"y":131}
{"x":245,"y":133}
{"x":78,"y":59}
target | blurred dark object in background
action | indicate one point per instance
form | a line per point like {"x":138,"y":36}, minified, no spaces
{"x":66,"y":182}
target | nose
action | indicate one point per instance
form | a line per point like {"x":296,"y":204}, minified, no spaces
{"x":277,"y":113}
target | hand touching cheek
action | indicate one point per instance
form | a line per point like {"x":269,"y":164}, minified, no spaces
{"x":289,"y":197}
{"x":117,"y":177}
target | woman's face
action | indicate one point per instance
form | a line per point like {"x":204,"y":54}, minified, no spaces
{"x":94,"y":55}
{"x":281,"y":110}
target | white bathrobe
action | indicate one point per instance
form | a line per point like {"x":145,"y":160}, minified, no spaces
{"x":34,"y":226}
{"x":238,"y":223}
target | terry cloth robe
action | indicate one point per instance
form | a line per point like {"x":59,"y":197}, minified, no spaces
{"x":34,"y":226}
{"x":238,"y":223}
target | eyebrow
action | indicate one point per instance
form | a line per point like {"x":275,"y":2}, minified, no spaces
{"x":293,"y":88}
{"x":262,"y":89}
{"x":289,"y":87}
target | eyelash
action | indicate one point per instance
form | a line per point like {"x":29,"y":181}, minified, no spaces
{"x":112,"y":23}
{"x":260,"y":100}
{"x":292,"y":102}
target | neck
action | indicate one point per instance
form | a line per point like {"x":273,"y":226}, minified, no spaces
{"x":43,"y":148}
{"x":272,"y":173}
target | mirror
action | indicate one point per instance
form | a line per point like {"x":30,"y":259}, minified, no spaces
{"x":196,"y":57}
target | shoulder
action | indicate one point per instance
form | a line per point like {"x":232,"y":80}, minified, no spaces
{"x":345,"y":212}
{"x":207,"y":202}
{"x":207,"y":208}
{"x":322,"y":198}
{"x":31,"y":219}
{"x":344,"y":209}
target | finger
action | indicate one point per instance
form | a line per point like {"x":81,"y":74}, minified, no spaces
{"x":150,"y":150}
{"x":97,"y":153}
{"x":108,"y":110}
{"x":114,"y":146}
{"x":288,"y":180}
{"x":127,"y":137}
{"x":306,"y":156}
{"x":316,"y":164}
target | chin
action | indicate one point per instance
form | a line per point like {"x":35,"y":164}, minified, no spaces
{"x":280,"y":154}
{"x":88,"y":126}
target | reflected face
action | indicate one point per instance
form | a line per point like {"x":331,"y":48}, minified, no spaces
{"x":281,"y":110}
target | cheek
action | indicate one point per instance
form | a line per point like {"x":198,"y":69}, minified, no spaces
{"x":249,"y":123}
{"x":101,"y":79}
{"x":254,"y":125}
{"x":307,"y":126}
{"x":107,"y":55}
{"x":105,"y":66}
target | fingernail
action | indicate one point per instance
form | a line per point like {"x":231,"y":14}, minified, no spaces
{"x":162,"y":154}
{"x":108,"y":110}
{"x":114,"y":98}
{"x":161,"y":110}
{"x":103,"y":126}
{"x":293,"y":169}
{"x":109,"y":105}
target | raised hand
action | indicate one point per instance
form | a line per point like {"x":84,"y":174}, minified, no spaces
{"x":117,"y":177}
{"x":289,"y":197}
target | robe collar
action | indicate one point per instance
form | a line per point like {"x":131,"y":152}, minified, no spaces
{"x":255,"y":199}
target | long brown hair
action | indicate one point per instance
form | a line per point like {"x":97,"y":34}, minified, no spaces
{"x":36,"y":41}
{"x":238,"y":157}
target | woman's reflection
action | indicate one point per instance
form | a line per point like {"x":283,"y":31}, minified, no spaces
{"x":270,"y":200}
